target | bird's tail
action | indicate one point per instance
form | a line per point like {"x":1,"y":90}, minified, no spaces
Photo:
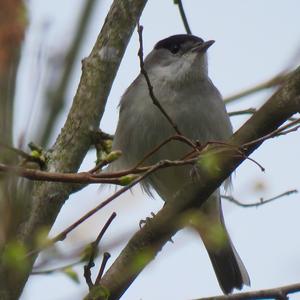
{"x":228,"y":266}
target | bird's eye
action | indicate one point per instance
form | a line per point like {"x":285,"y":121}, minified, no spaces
{"x":174,"y":48}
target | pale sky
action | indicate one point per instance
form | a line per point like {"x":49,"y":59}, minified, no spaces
{"x":254,"y":40}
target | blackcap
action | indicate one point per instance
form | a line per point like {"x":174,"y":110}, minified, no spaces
{"x":177,"y":69}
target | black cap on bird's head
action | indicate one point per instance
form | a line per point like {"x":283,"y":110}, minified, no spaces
{"x":178,"y":59}
{"x":183,"y":42}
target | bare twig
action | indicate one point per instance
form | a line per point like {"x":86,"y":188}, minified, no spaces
{"x":278,"y":132}
{"x":21,"y":153}
{"x":54,"y":270}
{"x":249,"y":111}
{"x":280,"y":293}
{"x":94,"y":246}
{"x":275,"y":81}
{"x":150,"y":87}
{"x":89,"y":178}
{"x":106,"y":257}
{"x":183,"y":17}
{"x":174,"y":137}
{"x":260,"y":202}
{"x":82,"y":177}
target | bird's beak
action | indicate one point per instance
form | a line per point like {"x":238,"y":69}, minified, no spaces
{"x":203,"y":46}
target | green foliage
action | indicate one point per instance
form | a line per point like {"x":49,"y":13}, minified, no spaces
{"x":112,"y":156}
{"x":127,"y":179}
{"x":98,"y":292}
{"x":14,"y":257}
{"x":87,"y":251}
{"x":69,"y":272}
{"x":41,"y":237}
{"x":142,"y":259}
{"x":209,"y":163}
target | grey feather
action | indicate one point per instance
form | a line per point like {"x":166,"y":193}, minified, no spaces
{"x":180,"y":82}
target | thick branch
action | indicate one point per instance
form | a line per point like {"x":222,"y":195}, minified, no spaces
{"x":151,"y":238}
{"x":71,"y":146}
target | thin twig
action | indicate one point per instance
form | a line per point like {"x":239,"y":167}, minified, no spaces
{"x":240,"y":151}
{"x":106,"y":257}
{"x":275,"y":81}
{"x":21,"y":153}
{"x":279,"y":293}
{"x":94,"y":246}
{"x":260,"y":202}
{"x":183,"y":17}
{"x":278,"y":132}
{"x":174,"y":137}
{"x":86,"y":177}
{"x":82,"y":177}
{"x":99,"y":166}
{"x":150,"y":87}
{"x":58,"y":269}
{"x":248,"y":111}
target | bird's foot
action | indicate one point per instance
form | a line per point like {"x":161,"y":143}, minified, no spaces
{"x":149,"y":220}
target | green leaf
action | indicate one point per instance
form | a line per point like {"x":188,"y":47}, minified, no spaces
{"x":15,"y":257}
{"x":98,"y":292}
{"x":114,"y":155}
{"x":127,"y":179}
{"x":69,"y":272}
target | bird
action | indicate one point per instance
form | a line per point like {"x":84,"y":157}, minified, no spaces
{"x":177,"y":69}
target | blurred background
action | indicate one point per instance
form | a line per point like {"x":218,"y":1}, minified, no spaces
{"x":255,"y":40}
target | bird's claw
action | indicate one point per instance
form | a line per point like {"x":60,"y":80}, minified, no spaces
{"x":148,"y":219}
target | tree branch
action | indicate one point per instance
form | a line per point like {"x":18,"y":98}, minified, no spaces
{"x":150,"y":87}
{"x":148,"y":241}
{"x":71,"y":146}
{"x":94,"y":247}
{"x":273,"y":82}
{"x":183,"y":16}
{"x":280,"y":293}
{"x":260,"y":202}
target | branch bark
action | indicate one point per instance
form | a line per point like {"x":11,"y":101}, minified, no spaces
{"x":71,"y":146}
{"x":279,"y":293}
{"x":147,"y":242}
